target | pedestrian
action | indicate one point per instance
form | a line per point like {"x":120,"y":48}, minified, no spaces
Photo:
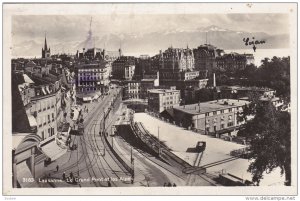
{"x":71,"y":175}
{"x":57,"y":167}
{"x":108,"y":184}
{"x":87,"y":110}
{"x":174,"y":185}
{"x":169,"y":184}
{"x":165,"y":184}
{"x":64,"y":176}
{"x":131,"y":180}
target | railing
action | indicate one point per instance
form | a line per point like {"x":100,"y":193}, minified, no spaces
{"x":157,"y":147}
{"x":127,"y":167}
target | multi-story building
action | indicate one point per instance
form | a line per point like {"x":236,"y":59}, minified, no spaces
{"x":139,"y":88}
{"x":132,"y":89}
{"x":205,"y":57}
{"x":123,"y":68}
{"x":142,"y":66}
{"x":38,"y":106}
{"x":162,"y":99}
{"x":213,"y":117}
{"x":92,"y":77}
{"x":42,"y":102}
{"x":233,"y":62}
{"x":149,"y":81}
{"x":176,"y":68}
{"x":176,"y":60}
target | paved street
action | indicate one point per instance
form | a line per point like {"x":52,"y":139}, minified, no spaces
{"x":93,"y":164}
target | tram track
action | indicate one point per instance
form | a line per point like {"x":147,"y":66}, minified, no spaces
{"x":89,"y":152}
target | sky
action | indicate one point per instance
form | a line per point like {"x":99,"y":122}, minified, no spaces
{"x":66,"y":29}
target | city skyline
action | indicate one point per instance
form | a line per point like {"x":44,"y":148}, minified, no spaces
{"x":69,"y":33}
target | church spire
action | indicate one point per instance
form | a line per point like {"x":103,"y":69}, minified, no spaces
{"x":45,"y":46}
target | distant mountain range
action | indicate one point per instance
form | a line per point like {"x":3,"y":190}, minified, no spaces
{"x":153,"y":42}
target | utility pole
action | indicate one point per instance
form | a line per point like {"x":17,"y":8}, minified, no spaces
{"x":103,"y":120}
{"x":158,"y":142}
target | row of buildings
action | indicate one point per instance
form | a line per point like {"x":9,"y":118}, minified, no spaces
{"x":42,"y":93}
{"x":216,"y":117}
{"x":180,"y":67}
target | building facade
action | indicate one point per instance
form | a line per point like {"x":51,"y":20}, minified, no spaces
{"x":132,"y":89}
{"x":176,"y":60}
{"x":123,"y":68}
{"x":213,"y":117}
{"x":233,"y":62}
{"x":92,"y":77}
{"x":43,"y":105}
{"x":205,"y":57}
{"x":162,"y":99}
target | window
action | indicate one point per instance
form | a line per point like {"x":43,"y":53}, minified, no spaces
{"x":52,"y":116}
{"x":43,"y":135}
{"x":230,"y":109}
{"x":222,"y":111}
{"x":215,"y":113}
{"x":49,"y":131}
{"x":230,"y":124}
{"x":207,"y":114}
{"x":222,"y":126}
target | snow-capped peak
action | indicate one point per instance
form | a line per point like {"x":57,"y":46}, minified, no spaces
{"x":212,"y":28}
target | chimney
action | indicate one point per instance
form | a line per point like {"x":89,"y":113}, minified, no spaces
{"x":214,"y":80}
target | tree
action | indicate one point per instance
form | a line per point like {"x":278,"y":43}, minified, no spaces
{"x":270,"y":145}
{"x":276,"y":74}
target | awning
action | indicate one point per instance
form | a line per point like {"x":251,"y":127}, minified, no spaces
{"x":52,"y":150}
{"x":96,"y":96}
{"x":47,"y":89}
{"x":44,"y":91}
{"x":32,"y":121}
{"x":87,"y":98}
{"x":27,"y":79}
{"x":24,"y":172}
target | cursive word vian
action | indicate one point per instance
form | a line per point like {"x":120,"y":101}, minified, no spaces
{"x":253,"y":42}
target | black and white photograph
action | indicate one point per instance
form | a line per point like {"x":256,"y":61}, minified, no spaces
{"x":124,"y":97}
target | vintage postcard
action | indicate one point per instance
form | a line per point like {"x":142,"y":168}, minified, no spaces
{"x":150,"y":99}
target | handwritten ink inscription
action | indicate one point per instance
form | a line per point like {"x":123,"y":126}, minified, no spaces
{"x":253,"y":42}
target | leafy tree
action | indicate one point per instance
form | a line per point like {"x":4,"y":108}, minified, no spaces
{"x":276,"y":74}
{"x":270,"y":145}
{"x":204,"y":94}
{"x":250,"y":71}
